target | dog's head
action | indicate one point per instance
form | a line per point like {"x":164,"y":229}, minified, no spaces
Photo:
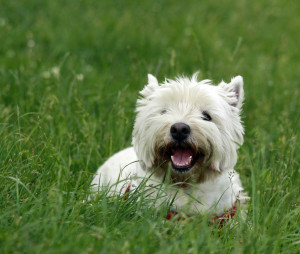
{"x":188,"y":127}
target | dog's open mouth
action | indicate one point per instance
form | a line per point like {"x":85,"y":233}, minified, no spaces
{"x":183,"y":159}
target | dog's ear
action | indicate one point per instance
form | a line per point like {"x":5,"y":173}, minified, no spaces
{"x":150,"y":87}
{"x":236,"y":86}
{"x":235,"y":90}
{"x":152,"y":80}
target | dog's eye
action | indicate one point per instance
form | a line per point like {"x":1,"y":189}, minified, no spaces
{"x":206,"y":116}
{"x":164,"y":111}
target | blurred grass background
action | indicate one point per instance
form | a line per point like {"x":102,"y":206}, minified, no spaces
{"x":70,"y":72}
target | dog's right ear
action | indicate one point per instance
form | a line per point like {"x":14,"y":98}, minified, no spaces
{"x":152,"y":85}
{"x":152,"y":80}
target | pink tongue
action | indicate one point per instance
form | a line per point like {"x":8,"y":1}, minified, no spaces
{"x":182,"y":157}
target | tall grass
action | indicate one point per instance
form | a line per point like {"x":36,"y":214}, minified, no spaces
{"x":70,"y":72}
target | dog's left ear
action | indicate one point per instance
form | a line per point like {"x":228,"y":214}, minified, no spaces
{"x":150,"y":87}
{"x":235,"y":87}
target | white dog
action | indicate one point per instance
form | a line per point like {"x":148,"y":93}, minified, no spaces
{"x":185,"y":137}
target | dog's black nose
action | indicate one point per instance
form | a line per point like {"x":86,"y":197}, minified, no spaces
{"x":180,"y":131}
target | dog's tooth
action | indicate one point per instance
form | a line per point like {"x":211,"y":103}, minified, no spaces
{"x":172,"y":158}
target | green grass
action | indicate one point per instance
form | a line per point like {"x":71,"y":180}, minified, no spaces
{"x":70,"y":72}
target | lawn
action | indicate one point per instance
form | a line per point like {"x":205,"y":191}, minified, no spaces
{"x":70,"y":72}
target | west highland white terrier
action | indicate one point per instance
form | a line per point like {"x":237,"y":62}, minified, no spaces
{"x":186,"y":135}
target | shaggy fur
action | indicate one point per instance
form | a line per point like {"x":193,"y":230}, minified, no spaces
{"x":186,"y":134}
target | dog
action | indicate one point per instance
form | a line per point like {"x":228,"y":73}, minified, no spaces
{"x":185,"y":140}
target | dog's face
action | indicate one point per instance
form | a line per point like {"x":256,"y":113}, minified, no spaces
{"x":189,"y":128}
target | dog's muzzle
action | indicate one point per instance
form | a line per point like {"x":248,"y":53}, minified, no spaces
{"x":183,"y":155}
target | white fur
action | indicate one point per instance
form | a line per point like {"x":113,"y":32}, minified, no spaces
{"x":183,"y":100}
